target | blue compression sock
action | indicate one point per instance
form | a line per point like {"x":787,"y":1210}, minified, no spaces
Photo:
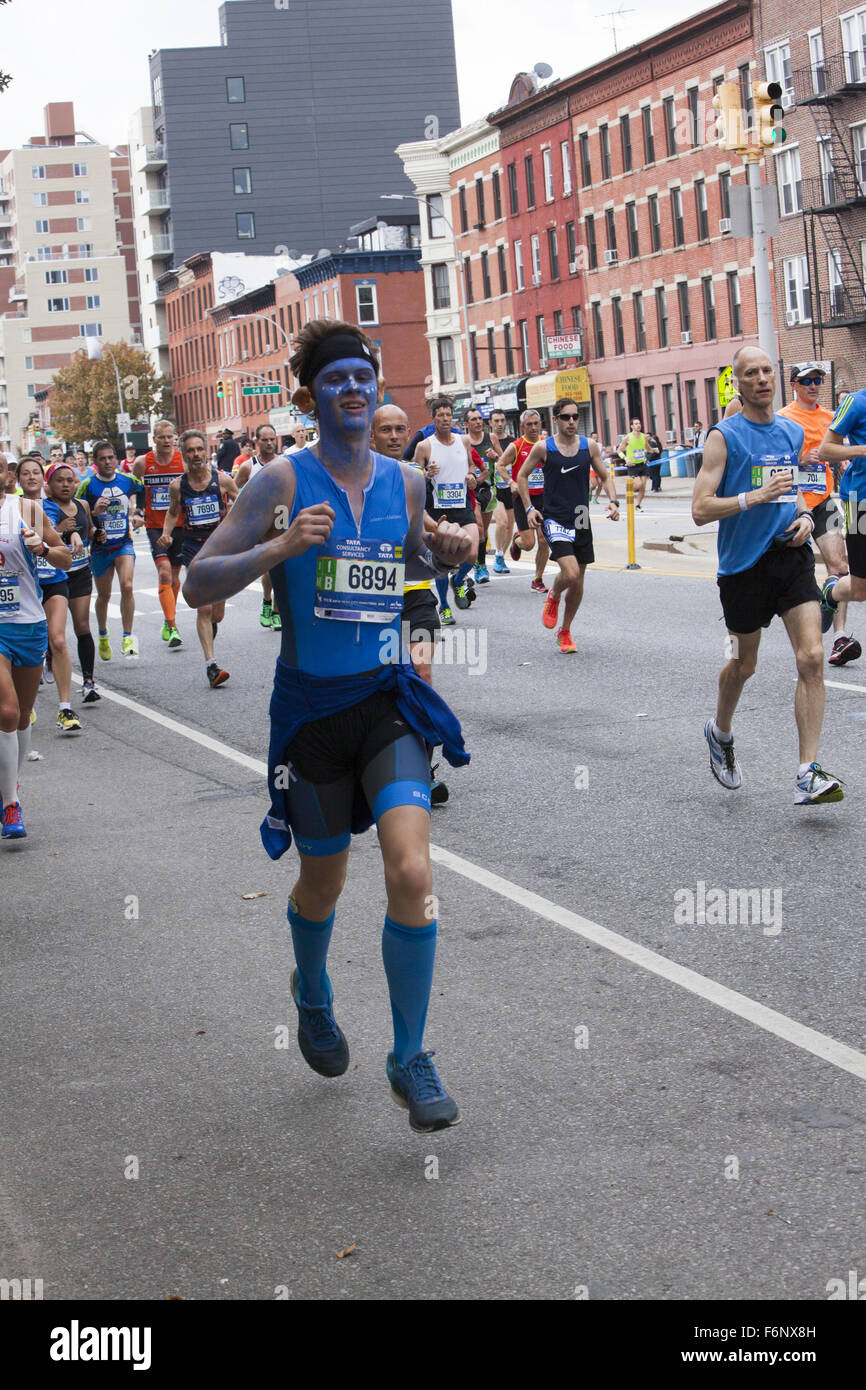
{"x":442,"y":590}
{"x":311,"y":941}
{"x":462,"y":572}
{"x":408,"y":954}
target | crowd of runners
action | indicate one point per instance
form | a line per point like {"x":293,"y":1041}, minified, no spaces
{"x":367,"y":533}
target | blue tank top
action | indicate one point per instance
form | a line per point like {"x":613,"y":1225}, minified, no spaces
{"x":340,"y":604}
{"x":46,"y":573}
{"x":566,"y":482}
{"x":753,"y":452}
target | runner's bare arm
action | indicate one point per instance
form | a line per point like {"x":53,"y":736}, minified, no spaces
{"x":450,"y":543}
{"x":172,"y":514}
{"x":38,"y":524}
{"x":230,"y":488}
{"x":833,"y":448}
{"x":607,"y":478}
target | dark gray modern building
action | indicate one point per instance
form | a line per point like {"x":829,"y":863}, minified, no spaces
{"x":282,"y":135}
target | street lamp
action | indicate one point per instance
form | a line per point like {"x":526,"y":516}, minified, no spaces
{"x":94,"y":353}
{"x":413,"y":198}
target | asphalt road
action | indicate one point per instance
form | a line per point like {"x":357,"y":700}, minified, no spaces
{"x":630,"y":1129}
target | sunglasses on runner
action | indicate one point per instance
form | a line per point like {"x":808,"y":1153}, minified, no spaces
{"x":809,"y":380}
{"x":569,"y":417}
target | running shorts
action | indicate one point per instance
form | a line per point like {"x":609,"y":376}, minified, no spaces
{"x":24,"y":644}
{"x":783,"y":578}
{"x":80,"y":582}
{"x":421,"y":613}
{"x":51,"y":590}
{"x":173,"y":552}
{"x":506,"y":497}
{"x":855,"y":539}
{"x":367,"y":749}
{"x":102,"y":560}
{"x":581,"y":547}
{"x":637,"y":470}
{"x":520,"y":516}
{"x":461,"y":516}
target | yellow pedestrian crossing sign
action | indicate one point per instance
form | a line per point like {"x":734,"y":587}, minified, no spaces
{"x":725,"y":386}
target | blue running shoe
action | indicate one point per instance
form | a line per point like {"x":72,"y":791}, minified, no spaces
{"x":323,"y":1045}
{"x":499,"y":566}
{"x":828,"y":607}
{"x":723,"y":762}
{"x":13,"y":825}
{"x":481,"y":575}
{"x":418,"y":1089}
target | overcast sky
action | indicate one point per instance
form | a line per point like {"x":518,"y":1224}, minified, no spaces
{"x":94,"y":52}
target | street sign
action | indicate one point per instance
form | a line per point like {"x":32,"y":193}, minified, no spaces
{"x":270,"y":390}
{"x":124,"y":423}
{"x":565,"y":345}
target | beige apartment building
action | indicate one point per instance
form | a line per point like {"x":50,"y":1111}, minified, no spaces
{"x":66,"y":272}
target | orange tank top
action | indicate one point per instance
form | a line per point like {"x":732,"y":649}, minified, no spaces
{"x":158,"y":478}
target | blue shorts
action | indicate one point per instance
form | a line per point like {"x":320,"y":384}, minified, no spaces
{"x":102,"y":560}
{"x":24,"y":644}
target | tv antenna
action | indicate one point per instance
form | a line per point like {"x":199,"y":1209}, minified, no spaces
{"x":614,"y":15}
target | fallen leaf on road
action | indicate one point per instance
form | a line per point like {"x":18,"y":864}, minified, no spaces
{"x":248,"y":896}
{"x":341,"y":1254}
{"x":200,"y":1032}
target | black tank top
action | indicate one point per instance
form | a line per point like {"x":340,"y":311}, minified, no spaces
{"x":203,"y":511}
{"x":566,"y":482}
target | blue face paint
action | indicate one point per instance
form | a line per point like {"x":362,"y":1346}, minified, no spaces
{"x":346,"y":392}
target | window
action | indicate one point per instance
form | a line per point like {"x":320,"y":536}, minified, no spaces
{"x":585,"y":166}
{"x":491,"y":352}
{"x":631,"y":226}
{"x":778,"y":67}
{"x":486,"y":291}
{"x":616,"y":310}
{"x":436,"y":217}
{"x":464,"y":211}
{"x":56,"y":277}
{"x":473,"y":353}
{"x":243,"y":180}
{"x":692,"y":96}
{"x":816,"y":59}
{"x":557,"y":323}
{"x":677,"y":217}
{"x":79,"y":171}
{"x":535,"y":246}
{"x":604,"y":147}
{"x":701,"y":210}
{"x":712,"y":395}
{"x":526,"y":363}
{"x":854,"y":44}
{"x":503,"y":272}
{"x":28,"y":364}
{"x":239,"y":135}
{"x":156,"y":92}
{"x":246,"y":225}
{"x":565,"y":150}
{"x":38,"y":171}
{"x":625,"y":141}
{"x":235,"y":89}
{"x":837,"y":289}
{"x":670,"y":415}
{"x":655,"y":221}
{"x":42,"y":226}
{"x":735,"y":307}
{"x":85,"y":248}
{"x":825,"y":163}
{"x":790,"y":182}
{"x":441,"y":286}
{"x":858,"y":135}
{"x":670,"y":125}
{"x":58,"y":306}
{"x":553,"y":252}
{"x":605,"y":417}
{"x":692,"y":412}
{"x":497,"y":195}
{"x":43,"y":253}
{"x":509,"y":350}
{"x":366,"y":304}
{"x":610,"y":228}
{"x":447,"y":361}
{"x":725,"y":193}
{"x":591,"y":246}
{"x":650,"y":412}
{"x":91,"y":274}
{"x":639,"y":322}
{"x":621,"y":423}
{"x":518,"y":265}
{"x":571,"y":244}
{"x":649,"y":144}
{"x":542,"y":340}
{"x":82,"y":195}
{"x":597,"y":330}
{"x":662,"y":316}
{"x":40,"y":200}
{"x":93,"y":301}
{"x":709,"y":297}
{"x":530,"y":181}
{"x":683,"y":302}
{"x":467,"y":280}
{"x":547,"y":169}
{"x":514,"y":201}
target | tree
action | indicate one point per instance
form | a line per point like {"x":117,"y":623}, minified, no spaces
{"x":83,"y":398}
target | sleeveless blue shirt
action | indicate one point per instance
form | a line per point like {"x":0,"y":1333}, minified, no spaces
{"x":746,"y":536}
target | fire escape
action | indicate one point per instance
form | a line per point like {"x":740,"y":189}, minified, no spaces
{"x":828,"y":199}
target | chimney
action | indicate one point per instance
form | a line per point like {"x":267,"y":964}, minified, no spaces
{"x":60,"y":123}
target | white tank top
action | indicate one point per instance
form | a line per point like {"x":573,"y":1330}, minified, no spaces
{"x":449,"y":485}
{"x":20,"y":592}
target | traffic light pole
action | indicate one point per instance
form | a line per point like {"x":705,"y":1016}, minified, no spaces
{"x":761,"y":245}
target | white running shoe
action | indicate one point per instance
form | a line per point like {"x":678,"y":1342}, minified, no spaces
{"x":723,"y":763}
{"x":815,"y":786}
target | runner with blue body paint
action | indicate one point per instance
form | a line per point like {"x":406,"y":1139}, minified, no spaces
{"x":340,"y":529}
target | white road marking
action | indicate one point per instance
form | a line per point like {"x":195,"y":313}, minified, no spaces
{"x":820,"y":1045}
{"x":840,"y":685}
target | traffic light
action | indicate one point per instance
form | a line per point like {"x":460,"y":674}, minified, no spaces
{"x":730,"y":125}
{"x":770,"y":113}
{"x":221,"y":388}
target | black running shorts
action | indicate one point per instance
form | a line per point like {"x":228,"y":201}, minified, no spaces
{"x":506,"y":497}
{"x":173,"y":552}
{"x":51,"y":590}
{"x":80,"y":582}
{"x":520,"y":515}
{"x":421,"y":613}
{"x":783,"y":578}
{"x":637,"y":470}
{"x":827,"y":516}
{"x":581,"y":547}
{"x":855,"y":538}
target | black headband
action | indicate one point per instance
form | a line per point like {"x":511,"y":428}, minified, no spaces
{"x":332,"y":349}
